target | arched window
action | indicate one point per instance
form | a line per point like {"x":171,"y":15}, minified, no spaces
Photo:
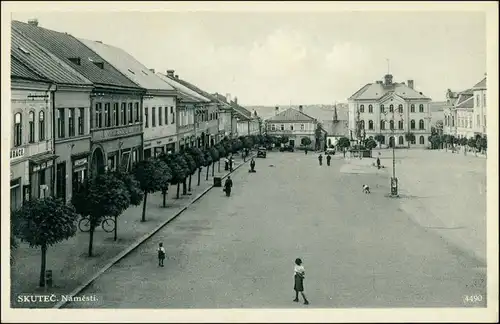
{"x":362,"y":108}
{"x":400,"y":124}
{"x":401,"y":140}
{"x":370,"y":109}
{"x":362,"y":124}
{"x":391,"y":124}
{"x":382,"y":109}
{"x":412,"y":124}
{"x":370,"y":124}
{"x":391,"y":141}
{"x":421,"y":108}
{"x":421,"y":124}
{"x":31,"y":121}
{"x":18,"y":129}
{"x":400,"y":109}
{"x":41,"y":126}
{"x":382,"y":124}
{"x":421,"y":140}
{"x":391,"y":108}
{"x":412,"y":108}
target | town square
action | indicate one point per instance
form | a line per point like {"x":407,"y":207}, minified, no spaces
{"x":173,"y":161}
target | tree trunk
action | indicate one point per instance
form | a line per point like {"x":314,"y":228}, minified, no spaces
{"x":116,"y":229}
{"x":213,"y":167}
{"x":178,"y":189}
{"x":199,"y":175}
{"x":44,"y":264}
{"x":189,"y":189}
{"x":144,"y":207}
{"x":164,"y":193}
{"x":184,"y":187}
{"x":208,"y":169}
{"x":91,"y":237}
{"x":218,"y":170}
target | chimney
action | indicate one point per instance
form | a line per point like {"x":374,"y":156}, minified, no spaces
{"x":100,"y":42}
{"x":235,"y":100}
{"x":388,"y":79}
{"x":176,"y":76}
{"x":228,"y":97}
{"x":152,"y":70}
{"x":301,"y":109}
{"x":410,"y":84}
{"x":33,"y":22}
{"x":276,"y":110}
{"x":170,"y":73}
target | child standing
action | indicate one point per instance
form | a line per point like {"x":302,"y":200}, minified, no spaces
{"x":161,"y":254}
{"x":299,"y":281}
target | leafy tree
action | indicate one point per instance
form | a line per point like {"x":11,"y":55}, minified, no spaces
{"x":191,"y":166}
{"x":43,"y":223}
{"x":285,"y":139}
{"x":222,"y":153}
{"x":305,"y":141}
{"x":409,"y":137}
{"x":248,"y":142}
{"x":214,"y":153}
{"x":178,"y":173}
{"x":435,"y":141}
{"x":343,"y":143}
{"x":370,"y":144}
{"x":153,"y":175}
{"x":317,"y":134}
{"x":208,"y":160}
{"x":104,"y":195}
{"x":379,"y":138}
{"x":179,"y":159}
{"x":199,"y":159}
{"x":471,"y":142}
{"x":135,"y":192}
{"x":483,"y":144}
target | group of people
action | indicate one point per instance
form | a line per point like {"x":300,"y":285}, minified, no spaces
{"x":328,"y":159}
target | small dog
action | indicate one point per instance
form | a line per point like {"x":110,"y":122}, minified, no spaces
{"x":366,"y":189}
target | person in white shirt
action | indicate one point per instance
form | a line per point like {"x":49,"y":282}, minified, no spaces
{"x":161,"y":254}
{"x":299,"y":275}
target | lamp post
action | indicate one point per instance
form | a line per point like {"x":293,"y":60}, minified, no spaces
{"x":394,"y":180}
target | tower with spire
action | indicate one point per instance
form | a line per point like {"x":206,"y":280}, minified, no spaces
{"x":335,"y":116}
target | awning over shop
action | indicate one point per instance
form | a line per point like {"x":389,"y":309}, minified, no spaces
{"x":42,"y":158}
{"x":81,"y":155}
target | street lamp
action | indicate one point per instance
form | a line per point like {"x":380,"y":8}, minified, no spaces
{"x":394,"y":180}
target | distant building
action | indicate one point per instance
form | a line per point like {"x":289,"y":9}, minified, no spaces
{"x":479,"y":116}
{"x":390,"y":109}
{"x":294,"y":124}
{"x":437,"y":109}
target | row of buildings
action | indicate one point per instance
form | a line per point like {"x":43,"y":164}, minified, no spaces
{"x":81,"y":106}
{"x":465,"y":114}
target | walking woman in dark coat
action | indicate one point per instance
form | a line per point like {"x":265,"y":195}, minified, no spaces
{"x":227,"y":186}
{"x":299,"y":281}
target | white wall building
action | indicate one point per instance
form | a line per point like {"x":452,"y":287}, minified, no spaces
{"x":390,"y":109}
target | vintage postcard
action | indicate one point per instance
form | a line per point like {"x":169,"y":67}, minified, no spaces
{"x":250,"y":162}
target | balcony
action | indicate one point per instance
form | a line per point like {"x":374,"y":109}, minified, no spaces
{"x":105,"y":134}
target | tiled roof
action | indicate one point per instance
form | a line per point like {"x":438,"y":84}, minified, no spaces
{"x":336,"y":128}
{"x":184,"y":92}
{"x":19,"y":70}
{"x":128,"y":65}
{"x":481,"y":84}
{"x":375,"y":91}
{"x":291,"y":115}
{"x":193,"y":87}
{"x":65,"y":46}
{"x":43,"y":62}
{"x":438,"y":105}
{"x":241,"y":110}
{"x":466,"y":103}
{"x":463,"y":97}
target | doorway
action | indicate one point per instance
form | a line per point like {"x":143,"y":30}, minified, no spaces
{"x":61,"y":181}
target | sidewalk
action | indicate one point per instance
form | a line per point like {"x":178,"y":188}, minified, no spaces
{"x":69,"y":259}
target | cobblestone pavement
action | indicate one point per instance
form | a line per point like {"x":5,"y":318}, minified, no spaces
{"x":358,"y":250}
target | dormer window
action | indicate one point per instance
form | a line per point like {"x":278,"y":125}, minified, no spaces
{"x":99,"y":65}
{"x":25,"y":51}
{"x":144,"y":72}
{"x":75,"y":60}
{"x":131,"y":71}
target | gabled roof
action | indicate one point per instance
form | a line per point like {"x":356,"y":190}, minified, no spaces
{"x":375,"y":91}
{"x":192,"y":87}
{"x":43,"y":62}
{"x":184,"y":92}
{"x":291,"y":115}
{"x":128,"y":66}
{"x":65,"y":46}
{"x":241,"y":110}
{"x":340,"y":128}
{"x":21,"y":71}
{"x":463,"y":97}
{"x":481,"y":84}
{"x":467,"y":102}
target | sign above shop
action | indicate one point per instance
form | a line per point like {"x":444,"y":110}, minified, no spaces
{"x":80,"y":162}
{"x":42,"y":166}
{"x":16,"y":153}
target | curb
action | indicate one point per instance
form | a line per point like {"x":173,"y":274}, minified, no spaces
{"x":141,"y":240}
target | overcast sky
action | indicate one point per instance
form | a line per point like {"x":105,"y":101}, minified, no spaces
{"x":302,"y":58}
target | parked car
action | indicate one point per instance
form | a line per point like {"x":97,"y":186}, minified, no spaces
{"x":330,"y":151}
{"x":286,"y":148}
{"x":261,"y":152}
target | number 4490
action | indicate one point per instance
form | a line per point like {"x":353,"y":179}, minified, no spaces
{"x":473,"y":298}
